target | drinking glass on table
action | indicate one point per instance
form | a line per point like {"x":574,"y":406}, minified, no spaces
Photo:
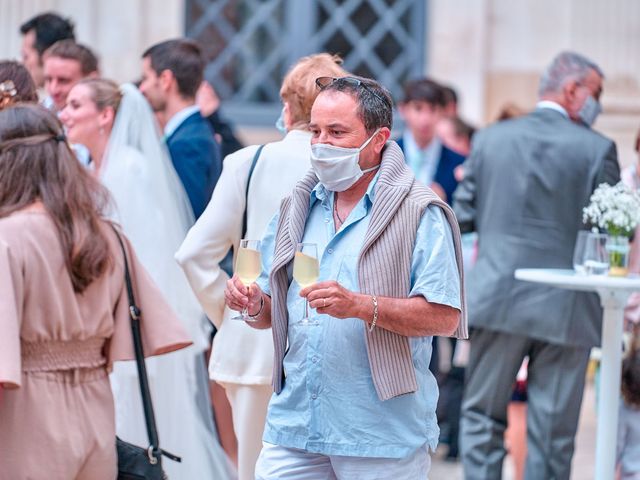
{"x":248,"y":268}
{"x":578,"y":252}
{"x":306,"y":271}
{"x":596,"y":259}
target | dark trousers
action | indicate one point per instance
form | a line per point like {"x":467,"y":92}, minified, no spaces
{"x":556,"y":376}
{"x":451,"y":387}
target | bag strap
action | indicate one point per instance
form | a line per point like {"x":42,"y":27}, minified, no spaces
{"x":246,"y":193}
{"x":154,"y":449}
{"x":635,"y":339}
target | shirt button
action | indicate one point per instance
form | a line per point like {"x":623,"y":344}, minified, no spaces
{"x":326,"y":220}
{"x":314,"y":359}
{"x":330,"y":250}
{"x":314,"y":396}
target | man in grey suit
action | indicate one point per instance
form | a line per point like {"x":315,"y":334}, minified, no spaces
{"x":526,"y":182}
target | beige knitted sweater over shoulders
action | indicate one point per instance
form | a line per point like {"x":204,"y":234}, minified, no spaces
{"x":384,"y":266}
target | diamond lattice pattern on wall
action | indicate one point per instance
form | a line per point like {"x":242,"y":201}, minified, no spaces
{"x":250,"y":44}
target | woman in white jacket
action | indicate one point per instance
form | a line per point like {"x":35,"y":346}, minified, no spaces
{"x":242,"y":357}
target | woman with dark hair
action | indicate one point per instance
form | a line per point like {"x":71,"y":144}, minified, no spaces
{"x":64,"y":312}
{"x":16,"y":84}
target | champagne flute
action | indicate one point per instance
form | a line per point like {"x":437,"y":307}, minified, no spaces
{"x":306,"y":271}
{"x":248,"y":268}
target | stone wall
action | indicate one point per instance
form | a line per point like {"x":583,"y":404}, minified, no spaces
{"x":117,"y":30}
{"x":495,"y":50}
{"x":492,"y":51}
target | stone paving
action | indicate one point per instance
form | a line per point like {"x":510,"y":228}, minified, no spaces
{"x":583,"y":459}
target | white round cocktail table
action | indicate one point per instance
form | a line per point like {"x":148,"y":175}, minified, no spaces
{"x":614,"y":293}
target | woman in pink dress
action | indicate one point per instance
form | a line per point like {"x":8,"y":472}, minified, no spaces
{"x":64,"y":315}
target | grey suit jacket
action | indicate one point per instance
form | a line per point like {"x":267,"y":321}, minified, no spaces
{"x":526,"y":182}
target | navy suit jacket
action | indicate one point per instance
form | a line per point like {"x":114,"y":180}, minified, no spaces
{"x":196,"y":158}
{"x":448,"y":162}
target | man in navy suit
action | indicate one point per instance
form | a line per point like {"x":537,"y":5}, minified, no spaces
{"x":422,"y":107}
{"x":171,"y":74}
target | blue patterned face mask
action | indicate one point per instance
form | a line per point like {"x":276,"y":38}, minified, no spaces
{"x":280,"y":123}
{"x":589,"y":111}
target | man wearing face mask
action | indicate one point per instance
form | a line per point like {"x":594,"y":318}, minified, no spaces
{"x":253,"y":182}
{"x":353,"y":392}
{"x":553,"y":164}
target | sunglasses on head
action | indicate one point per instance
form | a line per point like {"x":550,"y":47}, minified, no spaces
{"x":324,"y":82}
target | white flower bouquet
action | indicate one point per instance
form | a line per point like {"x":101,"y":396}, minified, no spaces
{"x":615,"y":209}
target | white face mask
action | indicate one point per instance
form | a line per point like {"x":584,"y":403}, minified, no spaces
{"x":337,"y":168}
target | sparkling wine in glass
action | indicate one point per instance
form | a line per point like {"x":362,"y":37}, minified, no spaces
{"x":306,"y":271}
{"x":248,"y":268}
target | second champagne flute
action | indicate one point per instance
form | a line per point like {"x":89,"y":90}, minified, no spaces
{"x":306,"y":271}
{"x":248,"y":268}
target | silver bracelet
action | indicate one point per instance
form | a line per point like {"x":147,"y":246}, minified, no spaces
{"x":375,"y":313}
{"x":259,"y":311}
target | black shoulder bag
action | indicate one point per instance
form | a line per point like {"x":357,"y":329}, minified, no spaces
{"x":227,"y":262}
{"x":246,"y":192}
{"x":137,"y":463}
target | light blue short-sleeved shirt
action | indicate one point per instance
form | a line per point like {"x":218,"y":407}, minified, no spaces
{"x":329,"y":404}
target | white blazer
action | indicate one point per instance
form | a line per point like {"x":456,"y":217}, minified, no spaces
{"x":241,"y":354}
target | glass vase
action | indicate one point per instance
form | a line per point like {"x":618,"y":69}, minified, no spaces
{"x":618,"y":250}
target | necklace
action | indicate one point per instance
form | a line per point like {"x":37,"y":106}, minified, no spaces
{"x":335,"y":210}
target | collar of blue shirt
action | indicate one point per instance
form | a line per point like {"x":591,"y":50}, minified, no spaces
{"x":422,"y":161}
{"x":320,"y":192}
{"x":177,"y":120}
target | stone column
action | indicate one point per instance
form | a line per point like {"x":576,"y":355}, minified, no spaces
{"x":118,"y":31}
{"x":494,"y":51}
{"x":457,"y":51}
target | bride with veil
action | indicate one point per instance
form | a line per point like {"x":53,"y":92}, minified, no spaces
{"x":117,"y":126}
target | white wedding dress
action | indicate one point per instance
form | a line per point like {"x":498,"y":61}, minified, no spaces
{"x":152,"y":207}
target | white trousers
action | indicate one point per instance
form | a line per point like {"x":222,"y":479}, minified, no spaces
{"x":249,"y":410}
{"x":282,"y":463}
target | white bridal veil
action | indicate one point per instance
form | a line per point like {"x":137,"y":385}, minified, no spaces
{"x":154,"y":212}
{"x":150,"y":203}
